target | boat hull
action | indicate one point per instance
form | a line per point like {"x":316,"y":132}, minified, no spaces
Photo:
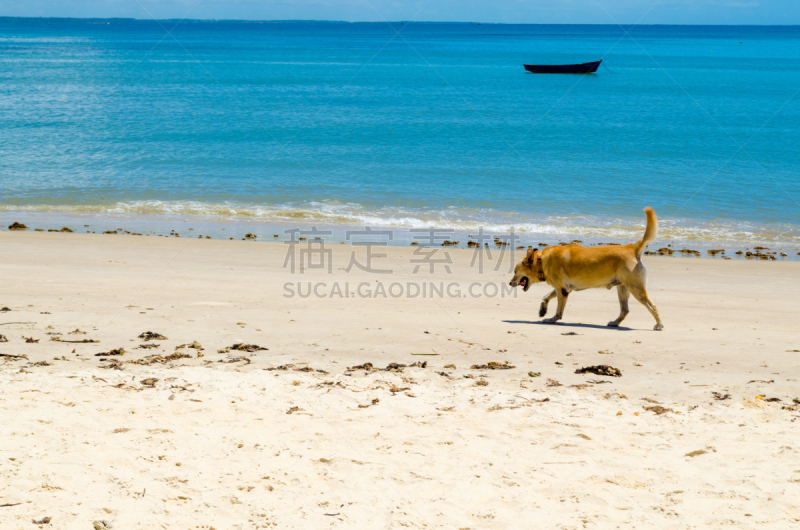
{"x":584,"y":68}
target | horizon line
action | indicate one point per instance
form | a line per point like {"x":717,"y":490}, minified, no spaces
{"x":315,"y":21}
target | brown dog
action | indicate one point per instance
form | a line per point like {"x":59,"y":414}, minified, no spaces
{"x":570,"y":268}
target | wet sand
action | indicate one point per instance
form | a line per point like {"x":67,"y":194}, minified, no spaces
{"x":699,"y":431}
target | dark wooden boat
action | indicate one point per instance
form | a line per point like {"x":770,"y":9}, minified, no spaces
{"x":584,"y":68}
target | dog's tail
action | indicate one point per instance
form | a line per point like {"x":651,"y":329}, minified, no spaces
{"x":650,"y":232}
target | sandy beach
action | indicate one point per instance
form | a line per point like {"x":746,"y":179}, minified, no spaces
{"x":700,"y":430}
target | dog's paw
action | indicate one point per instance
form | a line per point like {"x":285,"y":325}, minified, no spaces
{"x":542,"y":310}
{"x":613,"y":324}
{"x":658,"y":327}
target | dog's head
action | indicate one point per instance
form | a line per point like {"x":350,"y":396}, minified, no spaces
{"x":525,"y":271}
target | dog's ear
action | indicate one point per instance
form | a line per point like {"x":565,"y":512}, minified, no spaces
{"x":529,"y":256}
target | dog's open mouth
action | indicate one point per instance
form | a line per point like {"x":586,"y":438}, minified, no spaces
{"x":524,"y":283}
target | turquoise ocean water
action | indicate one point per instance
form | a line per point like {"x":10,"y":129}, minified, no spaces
{"x":404,"y":125}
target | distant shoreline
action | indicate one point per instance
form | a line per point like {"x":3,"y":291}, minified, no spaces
{"x":591,"y":225}
{"x":339,"y":233}
{"x":414,"y":22}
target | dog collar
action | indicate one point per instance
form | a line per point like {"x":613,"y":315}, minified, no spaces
{"x":539,"y":267}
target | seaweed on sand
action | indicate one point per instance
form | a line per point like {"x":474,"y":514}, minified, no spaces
{"x":150,"y":335}
{"x":391,"y":367}
{"x":14,"y":357}
{"x":250,"y":348}
{"x":84,"y":341}
{"x":235,"y":360}
{"x":493,"y":365}
{"x":600,"y":369}
{"x":115,"y":352}
{"x":160,"y":359}
{"x":658,"y":409}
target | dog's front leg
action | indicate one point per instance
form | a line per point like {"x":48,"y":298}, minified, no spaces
{"x":545,"y":301}
{"x":562,"y":295}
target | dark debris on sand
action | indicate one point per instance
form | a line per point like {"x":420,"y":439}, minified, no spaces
{"x":658,"y":409}
{"x":113,"y":364}
{"x":374,"y":402}
{"x":600,"y":369}
{"x":146,"y":361}
{"x":13,"y":357}
{"x":231,"y":360}
{"x":149,"y":335}
{"x":493,"y":365}
{"x":84,"y":341}
{"x":115,"y":352}
{"x":194,"y":345}
{"x":285,"y":367}
{"x":160,"y":359}
{"x":391,"y":367}
{"x":250,"y":348}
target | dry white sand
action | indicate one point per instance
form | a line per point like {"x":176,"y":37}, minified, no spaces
{"x":227,"y":441}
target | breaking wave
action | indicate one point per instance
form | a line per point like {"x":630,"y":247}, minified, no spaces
{"x":461,"y":220}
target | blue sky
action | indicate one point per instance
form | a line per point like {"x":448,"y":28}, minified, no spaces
{"x":508,"y":11}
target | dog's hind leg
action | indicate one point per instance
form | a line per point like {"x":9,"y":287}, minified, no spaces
{"x":623,"y":294}
{"x":545,"y":301}
{"x":641,"y":295}
{"x":562,"y":295}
